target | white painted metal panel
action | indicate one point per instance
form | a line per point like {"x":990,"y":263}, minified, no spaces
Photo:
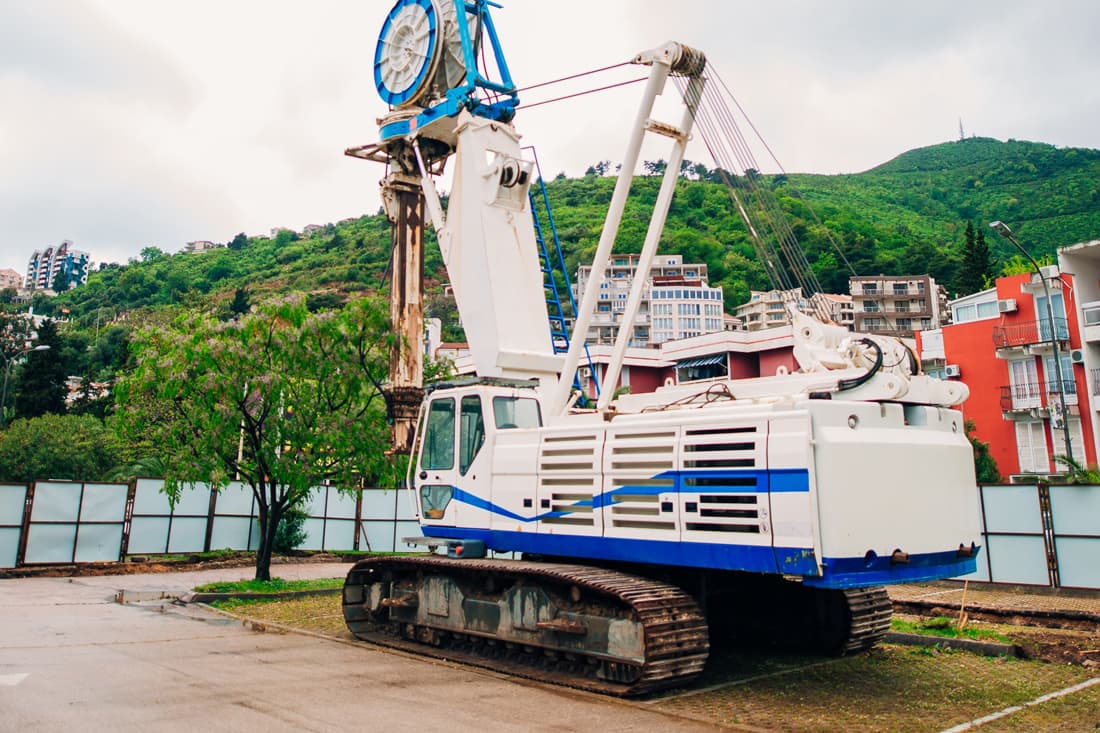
{"x":724,"y":484}
{"x":1077,"y":561}
{"x":194,"y":501}
{"x":1076,"y":510}
{"x":234,"y":499}
{"x":314,"y":529}
{"x":1018,"y":560}
{"x":148,"y":535}
{"x":99,"y":542}
{"x":379,"y":504}
{"x":341,"y":505}
{"x":232,"y":533}
{"x":56,"y":502}
{"x":9,"y":546}
{"x":50,"y":543}
{"x":1012,"y":509}
{"x":861,"y":455}
{"x":188,"y":534}
{"x":340,"y":534}
{"x":379,"y":536}
{"x":12,"y":498}
{"x":149,"y":497}
{"x":104,"y":503}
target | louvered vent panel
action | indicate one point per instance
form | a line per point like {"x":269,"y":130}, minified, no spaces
{"x":568,"y":469}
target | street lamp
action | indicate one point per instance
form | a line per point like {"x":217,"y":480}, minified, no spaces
{"x":8,"y":361}
{"x":1001,"y":228}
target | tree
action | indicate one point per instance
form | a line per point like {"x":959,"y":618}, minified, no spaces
{"x":238,"y":242}
{"x":76,"y":447}
{"x":281,"y":398}
{"x":975,"y":270}
{"x":240,"y":304}
{"x":985,"y":468}
{"x":41,"y":388}
{"x":61,"y":281}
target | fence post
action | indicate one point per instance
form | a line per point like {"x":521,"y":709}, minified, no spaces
{"x":127,"y":519}
{"x":985,"y":534}
{"x":358,"y":517}
{"x":210,"y":511}
{"x":25,"y":530}
{"x":1048,"y":534}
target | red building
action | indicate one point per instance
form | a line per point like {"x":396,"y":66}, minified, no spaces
{"x":1002,"y":345}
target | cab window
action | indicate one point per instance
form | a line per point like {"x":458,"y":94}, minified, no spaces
{"x":516,"y":412}
{"x":472,"y":431}
{"x":439,"y":436}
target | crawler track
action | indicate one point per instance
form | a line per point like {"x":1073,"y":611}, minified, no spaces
{"x":870,"y":610}
{"x":590,"y":628}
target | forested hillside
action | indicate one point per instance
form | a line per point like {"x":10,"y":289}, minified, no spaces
{"x":906,"y":216}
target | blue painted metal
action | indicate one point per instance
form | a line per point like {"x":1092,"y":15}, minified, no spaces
{"x":395,"y":97}
{"x":501,"y":99}
{"x":856,"y":572}
{"x":552,"y":266}
{"x":838,"y":572}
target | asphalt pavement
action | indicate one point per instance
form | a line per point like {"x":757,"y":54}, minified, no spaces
{"x":71,"y":658}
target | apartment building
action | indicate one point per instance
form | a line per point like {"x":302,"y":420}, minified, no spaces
{"x":46,"y":264}
{"x":768,"y":309}
{"x":896,"y":305}
{"x":10,"y":279}
{"x":1003,"y":343}
{"x":676,"y":303}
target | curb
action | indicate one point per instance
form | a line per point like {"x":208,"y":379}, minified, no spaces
{"x":985,"y":648}
{"x":192,"y":597}
{"x":1039,"y":613}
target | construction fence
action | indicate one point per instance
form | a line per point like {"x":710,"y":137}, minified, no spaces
{"x":71,"y":522}
{"x":1032,"y":534}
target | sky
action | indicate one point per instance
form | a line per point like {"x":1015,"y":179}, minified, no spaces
{"x":128,"y":123}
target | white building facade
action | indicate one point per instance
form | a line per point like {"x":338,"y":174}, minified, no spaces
{"x":676,"y":303}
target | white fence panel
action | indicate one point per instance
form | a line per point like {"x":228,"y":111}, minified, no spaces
{"x":1075,"y":513}
{"x":1014,"y":535}
{"x":12,"y":499}
{"x":51,"y":536}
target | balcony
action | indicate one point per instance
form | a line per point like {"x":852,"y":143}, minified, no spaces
{"x":1030,"y":333}
{"x":1028,"y":396}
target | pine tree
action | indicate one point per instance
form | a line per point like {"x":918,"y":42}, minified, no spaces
{"x":975,"y":270}
{"x":41,"y":388}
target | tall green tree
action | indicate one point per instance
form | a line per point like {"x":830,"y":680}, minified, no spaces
{"x":976,"y":268}
{"x":281,"y":398}
{"x":40,"y":389}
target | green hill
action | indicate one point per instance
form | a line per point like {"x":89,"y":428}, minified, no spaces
{"x":905,"y":216}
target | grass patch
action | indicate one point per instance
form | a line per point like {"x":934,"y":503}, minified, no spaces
{"x":946,"y":628}
{"x":275,"y":585}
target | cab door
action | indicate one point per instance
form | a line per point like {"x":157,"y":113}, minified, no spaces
{"x":436,"y":470}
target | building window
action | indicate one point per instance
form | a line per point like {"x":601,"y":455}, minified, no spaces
{"x":870,"y":306}
{"x":901,"y":289}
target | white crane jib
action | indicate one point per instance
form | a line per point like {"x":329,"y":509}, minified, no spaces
{"x":662,"y":60}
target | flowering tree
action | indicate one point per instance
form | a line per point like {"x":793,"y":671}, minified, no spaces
{"x":280,"y":398}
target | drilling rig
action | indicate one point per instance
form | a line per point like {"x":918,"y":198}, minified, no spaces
{"x":771,"y":508}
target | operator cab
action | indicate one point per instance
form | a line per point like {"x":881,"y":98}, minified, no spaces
{"x":458,"y":420}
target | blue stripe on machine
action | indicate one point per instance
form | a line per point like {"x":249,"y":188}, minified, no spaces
{"x":751,"y":481}
{"x":751,"y":558}
{"x":852,"y":572}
